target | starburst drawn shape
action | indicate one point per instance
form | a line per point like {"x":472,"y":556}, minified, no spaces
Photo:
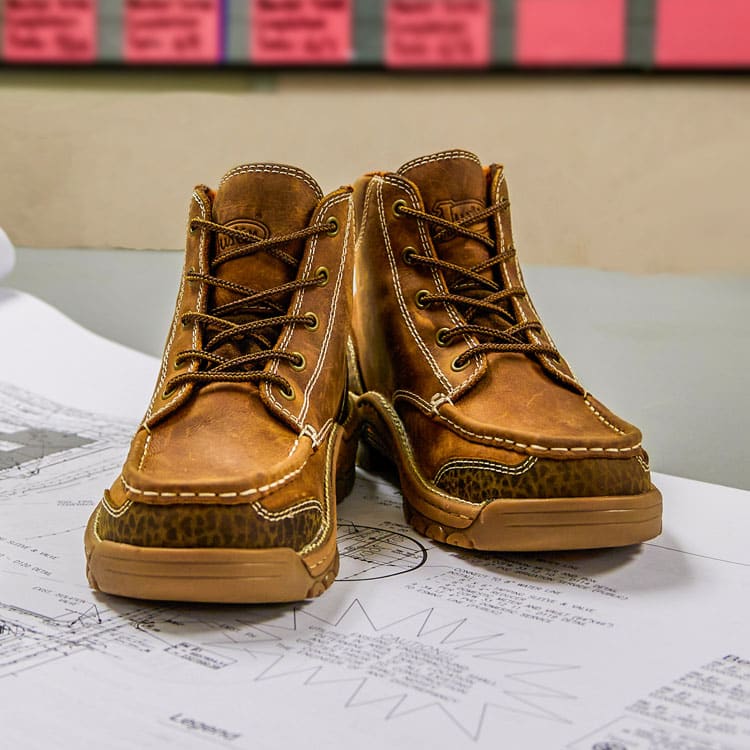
{"x":415,"y":664}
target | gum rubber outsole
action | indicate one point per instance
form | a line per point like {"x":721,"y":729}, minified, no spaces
{"x":219,"y":575}
{"x":203,"y":575}
{"x":551,"y":523}
{"x":501,"y":525}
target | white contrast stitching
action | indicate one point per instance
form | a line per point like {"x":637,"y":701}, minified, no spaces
{"x":331,"y":317}
{"x":400,"y":297}
{"x":294,"y":446}
{"x":280,"y":515}
{"x":498,"y":468}
{"x":406,"y":444}
{"x":96,"y":524}
{"x":453,"y":314}
{"x":298,"y":418}
{"x":199,"y":301}
{"x":321,"y":434}
{"x":268,"y":515}
{"x":275,"y":169}
{"x":534,"y":446}
{"x":242,"y":493}
{"x":116,"y":512}
{"x":145,"y":451}
{"x":441,"y":156}
{"x":427,"y":246}
{"x":427,"y":408}
{"x":326,"y":522}
{"x":601,"y":416}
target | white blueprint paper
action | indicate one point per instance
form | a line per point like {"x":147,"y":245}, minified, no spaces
{"x":415,"y":645}
{"x":43,"y":351}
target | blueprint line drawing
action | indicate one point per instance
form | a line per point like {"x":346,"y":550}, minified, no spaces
{"x":415,"y":664}
{"x":44,"y":444}
{"x":369,"y":553}
{"x":415,"y":643}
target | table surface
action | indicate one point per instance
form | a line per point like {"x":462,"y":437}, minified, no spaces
{"x":668,"y":353}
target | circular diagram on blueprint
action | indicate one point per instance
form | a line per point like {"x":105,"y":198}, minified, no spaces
{"x":368,"y":553}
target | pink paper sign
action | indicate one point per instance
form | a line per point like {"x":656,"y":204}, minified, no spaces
{"x":49,"y":31}
{"x":710,"y":33}
{"x":301,"y":32}
{"x":570,"y":32}
{"x":438,"y":33}
{"x":172,"y":31}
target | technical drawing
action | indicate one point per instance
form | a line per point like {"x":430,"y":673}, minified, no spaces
{"x":368,"y":553}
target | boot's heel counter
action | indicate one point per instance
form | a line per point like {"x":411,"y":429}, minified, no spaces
{"x":356,"y":382}
{"x":359,"y":196}
{"x":367,"y":358}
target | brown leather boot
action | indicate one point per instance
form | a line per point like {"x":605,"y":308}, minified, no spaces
{"x":497,"y":445}
{"x":229,"y":491}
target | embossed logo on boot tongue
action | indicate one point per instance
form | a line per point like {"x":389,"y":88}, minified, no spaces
{"x":257,"y":229}
{"x":458,"y":211}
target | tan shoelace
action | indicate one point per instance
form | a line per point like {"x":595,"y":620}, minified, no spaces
{"x":261,"y":304}
{"x":511,"y":337}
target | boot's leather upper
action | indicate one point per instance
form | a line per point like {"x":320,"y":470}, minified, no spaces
{"x":444,"y":329}
{"x":238,"y":440}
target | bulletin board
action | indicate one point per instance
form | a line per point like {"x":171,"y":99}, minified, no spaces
{"x":390,"y":34}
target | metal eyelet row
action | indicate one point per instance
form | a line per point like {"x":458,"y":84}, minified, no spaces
{"x":407,"y":255}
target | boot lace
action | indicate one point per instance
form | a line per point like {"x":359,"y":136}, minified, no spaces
{"x":474,"y":294}
{"x":258,"y":314}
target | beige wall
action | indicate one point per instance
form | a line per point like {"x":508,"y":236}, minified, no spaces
{"x":633,"y":173}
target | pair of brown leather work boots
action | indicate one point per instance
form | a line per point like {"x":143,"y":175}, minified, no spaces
{"x":274,"y":370}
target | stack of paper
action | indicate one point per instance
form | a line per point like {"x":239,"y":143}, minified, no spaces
{"x":415,"y":645}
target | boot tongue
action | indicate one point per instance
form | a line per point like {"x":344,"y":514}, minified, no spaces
{"x":265,"y":200}
{"x":453,"y":186}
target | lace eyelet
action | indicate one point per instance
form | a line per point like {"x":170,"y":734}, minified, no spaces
{"x":397,"y":206}
{"x":333,"y":222}
{"x":167,"y":393}
{"x":322,"y":274}
{"x":312,"y":321}
{"x":419,"y":298}
{"x":287,"y":392}
{"x":179,"y":364}
{"x":407,"y":255}
{"x":192,"y":227}
{"x":440,"y":339}
{"x":458,"y":367}
{"x":301,"y":362}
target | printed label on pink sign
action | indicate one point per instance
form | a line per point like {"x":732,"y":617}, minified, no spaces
{"x":301,"y":32}
{"x":437,"y":33}
{"x":172,"y":31}
{"x":49,"y":31}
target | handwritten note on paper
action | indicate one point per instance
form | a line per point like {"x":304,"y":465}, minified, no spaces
{"x":578,"y":32}
{"x":50,"y":31}
{"x":301,"y":32}
{"x":172,"y":31}
{"x":703,"y":33}
{"x":437,"y":33}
